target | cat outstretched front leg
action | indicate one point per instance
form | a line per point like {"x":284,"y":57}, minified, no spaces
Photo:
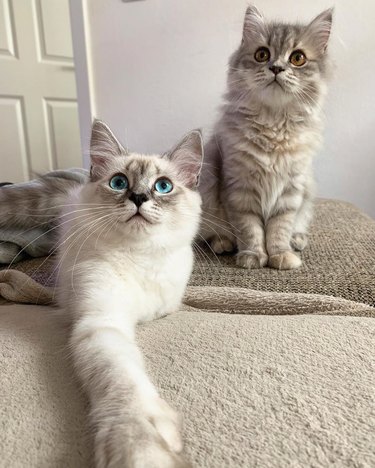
{"x":133,"y":426}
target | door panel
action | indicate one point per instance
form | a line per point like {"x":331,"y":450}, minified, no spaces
{"x":55,"y":38}
{"x":60,"y":116}
{"x":13,"y":140}
{"x":7,"y":36}
{"x":38,"y":108}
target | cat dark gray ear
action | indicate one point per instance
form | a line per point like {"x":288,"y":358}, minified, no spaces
{"x":254,"y":24}
{"x":187,"y":156}
{"x":319,"y":30}
{"x":103,"y":147}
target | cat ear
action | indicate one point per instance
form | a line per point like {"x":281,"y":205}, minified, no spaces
{"x":318,"y":31}
{"x":187,"y":156}
{"x":104,"y":146}
{"x":254,"y":24}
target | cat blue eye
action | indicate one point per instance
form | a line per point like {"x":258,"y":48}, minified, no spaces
{"x":119,"y":182}
{"x":163,"y":186}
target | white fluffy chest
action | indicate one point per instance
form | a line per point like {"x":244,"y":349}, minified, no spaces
{"x":153,"y":284}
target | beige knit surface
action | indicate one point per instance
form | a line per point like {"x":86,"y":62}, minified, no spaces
{"x":268,"y":368}
{"x":339,"y":260}
{"x":254,"y":391}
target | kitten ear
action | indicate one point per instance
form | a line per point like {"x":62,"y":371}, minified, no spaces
{"x":187,"y":156}
{"x":103,"y":147}
{"x":318,"y":31}
{"x":254,"y":24}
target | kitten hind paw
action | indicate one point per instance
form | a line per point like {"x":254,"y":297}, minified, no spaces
{"x":251,"y":260}
{"x":221,"y":245}
{"x":285,"y":261}
{"x":298,"y":241}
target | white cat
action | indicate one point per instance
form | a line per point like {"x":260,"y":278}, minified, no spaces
{"x":125,"y":257}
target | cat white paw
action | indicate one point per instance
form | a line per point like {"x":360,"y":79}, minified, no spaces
{"x":149,"y":437}
{"x":221,"y":244}
{"x":287,"y":260}
{"x":167,"y":422}
{"x":251,"y":260}
{"x":298,"y":241}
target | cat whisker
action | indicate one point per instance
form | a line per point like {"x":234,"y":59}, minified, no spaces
{"x":52,"y":253}
{"x":40,"y":236}
{"x":52,"y":207}
{"x":94,"y":228}
{"x":209,"y":246}
{"x":220,"y":219}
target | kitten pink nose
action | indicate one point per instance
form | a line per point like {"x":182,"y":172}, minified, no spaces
{"x":138,"y":198}
{"x":277,"y":69}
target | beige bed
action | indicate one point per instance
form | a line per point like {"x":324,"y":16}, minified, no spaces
{"x":269,"y":369}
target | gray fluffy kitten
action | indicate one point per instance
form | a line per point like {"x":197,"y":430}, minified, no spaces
{"x":257,"y":183}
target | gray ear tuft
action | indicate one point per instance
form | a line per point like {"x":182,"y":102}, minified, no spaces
{"x":319,"y":29}
{"x":102,"y":138}
{"x":103,"y":147}
{"x":187,"y":155}
{"x":254,"y":23}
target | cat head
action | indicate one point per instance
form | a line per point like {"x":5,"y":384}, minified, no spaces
{"x":281,"y":64}
{"x":152,"y":196}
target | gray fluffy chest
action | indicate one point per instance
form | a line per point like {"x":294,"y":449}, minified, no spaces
{"x":258,"y":177}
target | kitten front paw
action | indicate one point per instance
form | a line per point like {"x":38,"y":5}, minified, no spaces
{"x":221,"y":244}
{"x":251,"y":260}
{"x":167,"y":422}
{"x":284,"y":261}
{"x":298,"y":241}
{"x":148,"y":437}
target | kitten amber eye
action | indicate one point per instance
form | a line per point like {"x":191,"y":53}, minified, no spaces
{"x":163,"y":186}
{"x":298,"y":58}
{"x":262,"y":54}
{"x":119,"y":182}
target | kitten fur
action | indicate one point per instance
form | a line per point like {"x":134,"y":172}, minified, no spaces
{"x":38,"y":202}
{"x":257,"y":182}
{"x":120,"y":265}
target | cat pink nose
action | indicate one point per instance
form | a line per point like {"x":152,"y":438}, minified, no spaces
{"x":277,"y":69}
{"x":138,"y":198}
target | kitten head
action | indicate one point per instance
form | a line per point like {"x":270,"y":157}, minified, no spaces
{"x":152,"y":197}
{"x":281,"y":64}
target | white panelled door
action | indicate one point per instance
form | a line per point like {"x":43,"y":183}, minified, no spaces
{"x":39,"y":128}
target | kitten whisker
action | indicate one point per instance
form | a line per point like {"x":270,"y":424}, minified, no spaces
{"x":94,"y":228}
{"x":38,"y":237}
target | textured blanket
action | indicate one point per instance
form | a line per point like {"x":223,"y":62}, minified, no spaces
{"x":254,"y":391}
{"x":339,"y":262}
{"x":269,"y":368}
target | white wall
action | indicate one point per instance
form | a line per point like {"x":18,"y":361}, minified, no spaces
{"x":159,"y":70}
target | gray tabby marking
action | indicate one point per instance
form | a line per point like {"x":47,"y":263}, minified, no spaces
{"x":257,"y":183}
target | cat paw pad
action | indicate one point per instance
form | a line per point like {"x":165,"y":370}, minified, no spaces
{"x":221,"y":244}
{"x":284,"y":261}
{"x":298,"y":241}
{"x":251,"y":260}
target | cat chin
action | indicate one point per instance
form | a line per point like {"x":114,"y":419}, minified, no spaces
{"x":137,"y":225}
{"x":276,"y":95}
{"x":138,"y":219}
